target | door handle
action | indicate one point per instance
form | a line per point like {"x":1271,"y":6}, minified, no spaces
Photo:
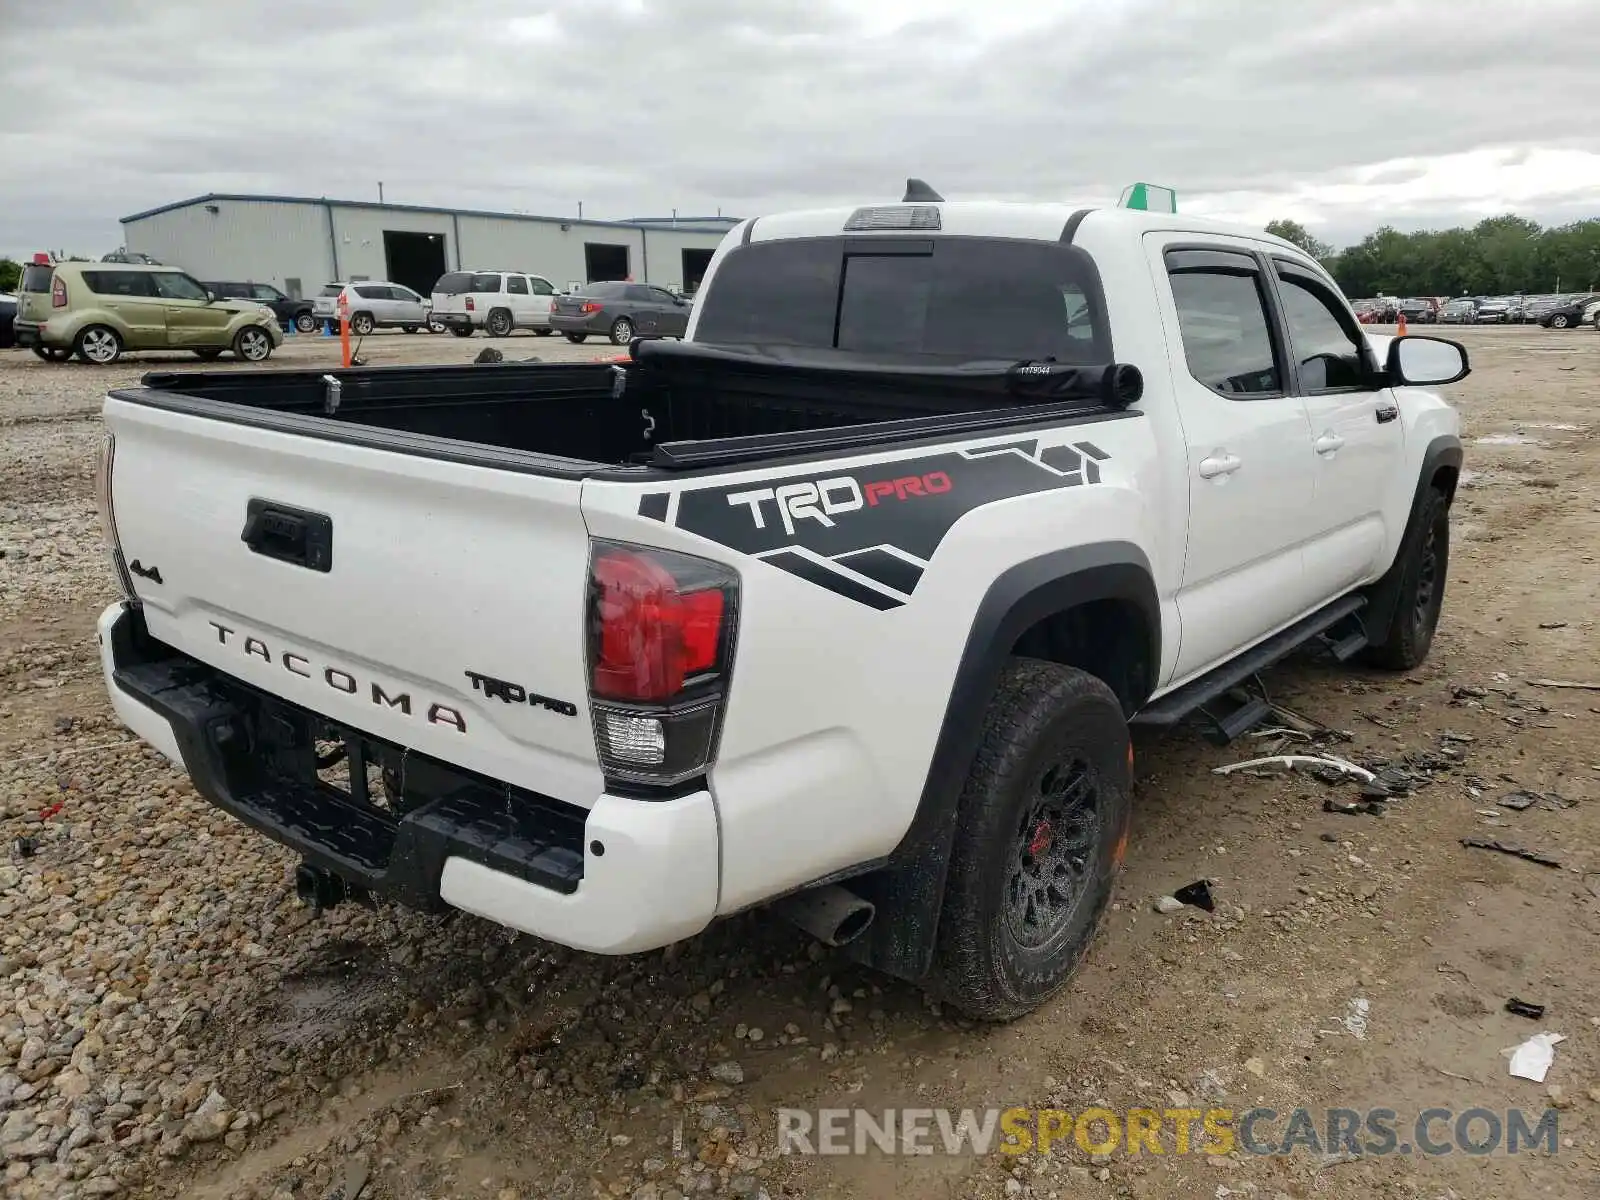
{"x":1328,"y":443}
{"x":1219,"y":463}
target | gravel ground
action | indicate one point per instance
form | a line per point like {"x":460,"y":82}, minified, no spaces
{"x":173,"y":1023}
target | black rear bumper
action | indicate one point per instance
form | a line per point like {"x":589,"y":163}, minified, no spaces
{"x":258,"y":758}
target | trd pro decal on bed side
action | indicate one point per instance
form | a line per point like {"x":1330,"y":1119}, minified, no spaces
{"x":869,"y":533}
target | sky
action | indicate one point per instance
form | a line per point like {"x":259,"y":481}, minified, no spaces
{"x":1341,"y":114}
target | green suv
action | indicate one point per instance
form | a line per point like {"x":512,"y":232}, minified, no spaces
{"x":97,"y":310}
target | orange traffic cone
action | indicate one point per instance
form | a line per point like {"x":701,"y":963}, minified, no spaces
{"x":1402,"y":325}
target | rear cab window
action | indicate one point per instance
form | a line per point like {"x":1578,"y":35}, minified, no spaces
{"x":941,"y":300}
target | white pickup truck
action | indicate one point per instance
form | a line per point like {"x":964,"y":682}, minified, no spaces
{"x":845,"y":602}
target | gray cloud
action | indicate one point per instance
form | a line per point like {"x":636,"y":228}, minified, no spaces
{"x":639,"y":106}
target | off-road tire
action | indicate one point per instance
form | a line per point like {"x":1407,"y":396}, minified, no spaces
{"x":462,"y":331}
{"x":499,"y":323}
{"x":1424,"y":565}
{"x":1046,"y":723}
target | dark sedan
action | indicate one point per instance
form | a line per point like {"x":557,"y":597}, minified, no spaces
{"x":621,"y":312}
{"x":1568,"y":315}
{"x":289,"y":311}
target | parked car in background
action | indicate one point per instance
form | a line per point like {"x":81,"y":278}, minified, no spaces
{"x":1418,"y":311}
{"x":290,"y":312}
{"x":1568,"y":313}
{"x":99,"y":310}
{"x":1494,"y":311}
{"x":123,"y":255}
{"x":8,"y":314}
{"x":498,"y":302}
{"x":1458,"y":312}
{"x":620,"y":311}
{"x":375,"y":304}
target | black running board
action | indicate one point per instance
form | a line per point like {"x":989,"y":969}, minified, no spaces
{"x":1175,"y":706}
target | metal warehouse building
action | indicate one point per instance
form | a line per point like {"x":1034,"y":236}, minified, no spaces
{"x":299,"y":244}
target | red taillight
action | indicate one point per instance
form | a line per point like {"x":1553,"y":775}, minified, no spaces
{"x":661,"y":637}
{"x":651,"y":635}
{"x":471,"y":307}
{"x":58,"y":292}
{"x":589,"y":306}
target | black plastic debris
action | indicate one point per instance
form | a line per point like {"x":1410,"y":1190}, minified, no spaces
{"x":1533,"y":856}
{"x":1197,"y":895}
{"x":1366,"y":808}
{"x":1521,"y":1008}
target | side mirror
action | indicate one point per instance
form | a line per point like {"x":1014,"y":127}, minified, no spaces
{"x":210,"y":296}
{"x":1426,"y":361}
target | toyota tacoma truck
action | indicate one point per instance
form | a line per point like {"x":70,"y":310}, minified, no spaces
{"x":844,"y":604}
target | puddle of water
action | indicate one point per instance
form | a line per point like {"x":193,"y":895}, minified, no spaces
{"x":1507,"y":439}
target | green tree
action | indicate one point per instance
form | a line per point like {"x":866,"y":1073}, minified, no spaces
{"x":10,"y":275}
{"x":1293,"y":231}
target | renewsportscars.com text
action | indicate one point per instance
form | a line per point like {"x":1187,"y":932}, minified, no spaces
{"x":1432,"y":1132}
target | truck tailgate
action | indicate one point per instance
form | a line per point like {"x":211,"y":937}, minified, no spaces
{"x":446,"y":613}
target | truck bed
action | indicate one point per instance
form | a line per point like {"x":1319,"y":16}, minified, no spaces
{"x":674,"y":406}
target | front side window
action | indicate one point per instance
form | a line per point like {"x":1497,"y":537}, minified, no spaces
{"x":1222,"y":318}
{"x":265,"y":291}
{"x":541,"y":287}
{"x":1328,"y":354}
{"x":174,"y":285}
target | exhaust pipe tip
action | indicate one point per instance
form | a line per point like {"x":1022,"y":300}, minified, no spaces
{"x":833,"y":915}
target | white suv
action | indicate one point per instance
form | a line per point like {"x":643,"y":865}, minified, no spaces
{"x":375,"y":303}
{"x":494,"y":301}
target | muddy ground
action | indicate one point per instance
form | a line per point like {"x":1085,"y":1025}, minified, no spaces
{"x":172,"y":1022}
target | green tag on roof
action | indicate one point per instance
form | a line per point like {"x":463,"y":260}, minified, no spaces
{"x":1148,"y":197}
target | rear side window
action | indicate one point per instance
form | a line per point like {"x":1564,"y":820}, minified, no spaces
{"x":966,"y":299}
{"x":516,"y":285}
{"x":36,"y":277}
{"x":120,"y":283}
{"x":371,"y":292}
{"x":1223,"y":320}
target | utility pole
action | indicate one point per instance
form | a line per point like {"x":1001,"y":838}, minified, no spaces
{"x":380,"y":191}
{"x":580,"y":210}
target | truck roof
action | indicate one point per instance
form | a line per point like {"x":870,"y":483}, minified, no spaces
{"x":996,"y":218}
